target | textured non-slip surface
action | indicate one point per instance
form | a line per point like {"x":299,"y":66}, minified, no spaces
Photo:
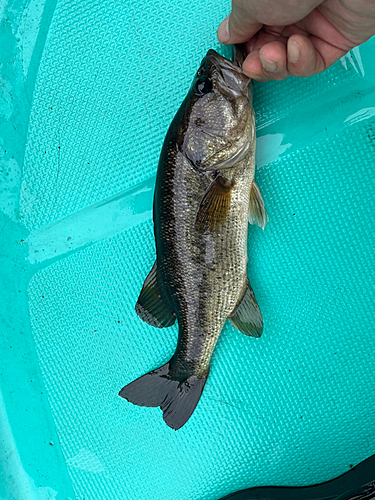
{"x":294,"y":407}
{"x":109,"y":83}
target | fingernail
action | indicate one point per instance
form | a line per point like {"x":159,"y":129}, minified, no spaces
{"x":223,"y":31}
{"x":267,"y":64}
{"x":294,"y":50}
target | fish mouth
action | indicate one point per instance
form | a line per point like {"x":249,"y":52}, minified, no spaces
{"x":230,"y":75}
{"x":221,"y":62}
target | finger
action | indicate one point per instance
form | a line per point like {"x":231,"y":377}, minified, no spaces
{"x":359,"y":26}
{"x":274,"y":30}
{"x":328,"y":52}
{"x":247,"y":17}
{"x":293,"y":29}
{"x":271,"y":12}
{"x":252,"y":67}
{"x":250,"y":44}
{"x":308,"y":56}
{"x":268,"y":58}
{"x":274,"y":60}
{"x":238,"y":27}
{"x":317,"y":25}
{"x":303,"y":60}
{"x":264,"y":37}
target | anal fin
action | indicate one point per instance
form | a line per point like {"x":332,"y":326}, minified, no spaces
{"x":214,"y":207}
{"x":152,"y":307}
{"x":246,"y":316}
{"x":257,"y":211}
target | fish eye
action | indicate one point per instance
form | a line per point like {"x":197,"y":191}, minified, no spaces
{"x":202,"y":86}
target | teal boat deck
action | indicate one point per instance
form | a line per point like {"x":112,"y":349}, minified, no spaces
{"x":88,"y":90}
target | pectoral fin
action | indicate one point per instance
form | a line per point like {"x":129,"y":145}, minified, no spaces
{"x":214,"y":207}
{"x":257,"y":211}
{"x":152,"y":307}
{"x":246,"y":316}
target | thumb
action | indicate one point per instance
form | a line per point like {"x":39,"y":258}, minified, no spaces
{"x":238,"y":27}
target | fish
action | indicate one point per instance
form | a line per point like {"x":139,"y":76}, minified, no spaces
{"x":356,"y":484}
{"x":204,"y":197}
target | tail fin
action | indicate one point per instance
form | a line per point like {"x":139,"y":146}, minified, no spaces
{"x":177,"y":398}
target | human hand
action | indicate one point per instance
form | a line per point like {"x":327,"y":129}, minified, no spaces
{"x":296,"y":37}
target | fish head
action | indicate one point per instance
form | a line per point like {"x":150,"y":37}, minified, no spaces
{"x":220,"y":127}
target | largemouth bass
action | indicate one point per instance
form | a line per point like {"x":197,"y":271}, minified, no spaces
{"x":205,"y":196}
